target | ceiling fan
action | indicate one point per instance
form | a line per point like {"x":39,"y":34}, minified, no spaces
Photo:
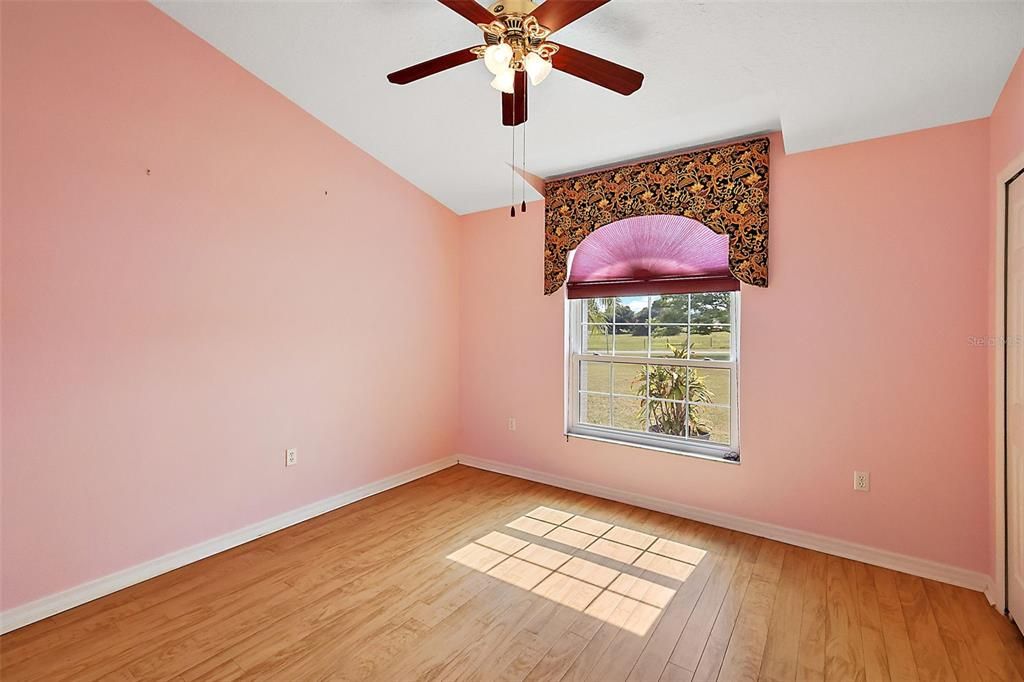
{"x":516,"y":48}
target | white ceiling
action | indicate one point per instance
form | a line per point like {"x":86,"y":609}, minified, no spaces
{"x":823,"y":73}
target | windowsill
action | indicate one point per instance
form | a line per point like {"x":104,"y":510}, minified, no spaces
{"x":656,"y":448}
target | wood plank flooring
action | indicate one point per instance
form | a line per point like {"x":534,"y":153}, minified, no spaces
{"x":469,"y":575}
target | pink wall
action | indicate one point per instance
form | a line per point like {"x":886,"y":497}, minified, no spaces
{"x":166,"y":337}
{"x":856,"y":357}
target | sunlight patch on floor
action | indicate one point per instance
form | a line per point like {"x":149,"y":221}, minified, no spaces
{"x":597,"y":588}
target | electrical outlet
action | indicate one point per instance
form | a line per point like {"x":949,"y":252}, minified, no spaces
{"x":291,"y":457}
{"x":861,"y":481}
{"x":511,"y":423}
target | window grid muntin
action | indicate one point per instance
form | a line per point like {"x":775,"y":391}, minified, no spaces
{"x":664,"y":400}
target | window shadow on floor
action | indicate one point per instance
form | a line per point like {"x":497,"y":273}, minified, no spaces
{"x":616,"y":574}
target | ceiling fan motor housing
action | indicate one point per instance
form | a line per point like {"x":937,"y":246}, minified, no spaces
{"x":520,"y":31}
{"x":512,"y":7}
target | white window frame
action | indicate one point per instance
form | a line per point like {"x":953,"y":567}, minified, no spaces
{"x":672,"y":444}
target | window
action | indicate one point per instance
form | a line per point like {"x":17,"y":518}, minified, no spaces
{"x":656,"y":371}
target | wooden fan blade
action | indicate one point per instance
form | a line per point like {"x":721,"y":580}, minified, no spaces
{"x":431,"y":66}
{"x":513,"y":107}
{"x":470,"y":9}
{"x":596,"y":70}
{"x":556,"y":14}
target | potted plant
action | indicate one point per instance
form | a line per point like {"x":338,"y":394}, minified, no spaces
{"x":681,"y":384}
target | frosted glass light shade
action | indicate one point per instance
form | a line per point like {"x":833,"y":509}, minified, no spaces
{"x":537,"y":67}
{"x":497,"y":57}
{"x":505,"y":81}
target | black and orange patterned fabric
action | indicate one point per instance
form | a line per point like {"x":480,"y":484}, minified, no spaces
{"x":725,"y":187}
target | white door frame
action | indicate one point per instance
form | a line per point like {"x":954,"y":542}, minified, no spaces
{"x":997,"y":592}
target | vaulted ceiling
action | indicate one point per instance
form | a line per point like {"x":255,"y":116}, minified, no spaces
{"x":823,"y":73}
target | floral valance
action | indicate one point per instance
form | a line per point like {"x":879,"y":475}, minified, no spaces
{"x":726,"y":188}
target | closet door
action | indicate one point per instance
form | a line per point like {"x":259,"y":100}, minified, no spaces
{"x":1015,"y":399}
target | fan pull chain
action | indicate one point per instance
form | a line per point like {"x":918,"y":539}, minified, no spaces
{"x":513,"y":169}
{"x":522,"y":176}
{"x":513,"y":172}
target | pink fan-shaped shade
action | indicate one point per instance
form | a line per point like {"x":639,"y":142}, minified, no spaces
{"x":658,"y":254}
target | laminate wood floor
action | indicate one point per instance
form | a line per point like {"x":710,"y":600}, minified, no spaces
{"x":472,"y":575}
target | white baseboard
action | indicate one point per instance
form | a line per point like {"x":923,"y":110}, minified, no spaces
{"x":849,"y":550}
{"x":86,"y":592}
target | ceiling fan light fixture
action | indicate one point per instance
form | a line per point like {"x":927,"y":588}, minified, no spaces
{"x":516,"y":51}
{"x":537,"y":67}
{"x":497,"y":58}
{"x":505,"y":81}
